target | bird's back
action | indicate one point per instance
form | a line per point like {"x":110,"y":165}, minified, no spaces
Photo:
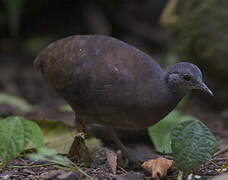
{"x":97,"y":60}
{"x":100,"y":74}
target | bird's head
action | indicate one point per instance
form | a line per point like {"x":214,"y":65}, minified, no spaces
{"x":184,"y":77}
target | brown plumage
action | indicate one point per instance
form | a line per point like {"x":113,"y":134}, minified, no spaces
{"x":109,"y":82}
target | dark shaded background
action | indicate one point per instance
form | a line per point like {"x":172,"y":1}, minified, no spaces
{"x":169,"y":30}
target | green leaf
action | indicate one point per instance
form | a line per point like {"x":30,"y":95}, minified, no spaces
{"x":60,"y":136}
{"x":65,"y":108}
{"x":33,"y":132}
{"x":57,"y":135}
{"x":42,"y":154}
{"x":15,"y":101}
{"x":192,"y":144}
{"x":160,"y":132}
{"x":15,"y":134}
{"x":47,"y":151}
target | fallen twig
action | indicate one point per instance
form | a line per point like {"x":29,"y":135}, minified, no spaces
{"x":221,"y":151}
{"x":32,"y":166}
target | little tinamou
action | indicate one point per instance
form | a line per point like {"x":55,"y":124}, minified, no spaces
{"x":109,"y":82}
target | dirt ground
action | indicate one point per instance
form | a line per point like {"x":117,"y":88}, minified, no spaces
{"x":19,"y":78}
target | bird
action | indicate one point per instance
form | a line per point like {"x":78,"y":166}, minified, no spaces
{"x":109,"y":82}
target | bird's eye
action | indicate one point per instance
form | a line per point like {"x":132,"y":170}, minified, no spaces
{"x":187,"y":77}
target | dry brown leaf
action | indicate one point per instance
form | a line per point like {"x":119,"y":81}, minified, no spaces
{"x":158,"y":167}
{"x":112,"y":159}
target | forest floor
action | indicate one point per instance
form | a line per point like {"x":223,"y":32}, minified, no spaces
{"x":20,"y":79}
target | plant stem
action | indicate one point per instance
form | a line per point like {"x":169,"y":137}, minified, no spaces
{"x":32,"y":166}
{"x":223,"y":150}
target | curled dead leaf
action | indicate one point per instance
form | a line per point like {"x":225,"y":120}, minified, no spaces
{"x":158,"y":167}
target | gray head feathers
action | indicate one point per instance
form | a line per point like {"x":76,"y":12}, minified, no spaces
{"x":182,"y":77}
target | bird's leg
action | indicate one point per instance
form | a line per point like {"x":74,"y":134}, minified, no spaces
{"x":78,"y":150}
{"x":122,"y":147}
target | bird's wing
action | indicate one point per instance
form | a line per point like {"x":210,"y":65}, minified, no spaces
{"x":97,"y":68}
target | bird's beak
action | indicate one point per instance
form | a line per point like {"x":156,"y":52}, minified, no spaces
{"x":203,"y":87}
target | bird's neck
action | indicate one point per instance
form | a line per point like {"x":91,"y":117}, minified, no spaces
{"x":174,"y":90}
{"x":157,"y":93}
{"x":171,"y":93}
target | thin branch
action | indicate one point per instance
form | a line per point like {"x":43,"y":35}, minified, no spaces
{"x":223,"y":150}
{"x":31,"y":166}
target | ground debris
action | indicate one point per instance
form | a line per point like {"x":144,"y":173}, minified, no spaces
{"x":112,"y":159}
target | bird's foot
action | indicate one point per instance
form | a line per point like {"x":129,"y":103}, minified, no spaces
{"x":135,"y":162}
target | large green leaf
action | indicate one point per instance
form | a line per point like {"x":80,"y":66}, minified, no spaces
{"x":160,"y":132}
{"x":15,"y":134}
{"x":192,"y":144}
